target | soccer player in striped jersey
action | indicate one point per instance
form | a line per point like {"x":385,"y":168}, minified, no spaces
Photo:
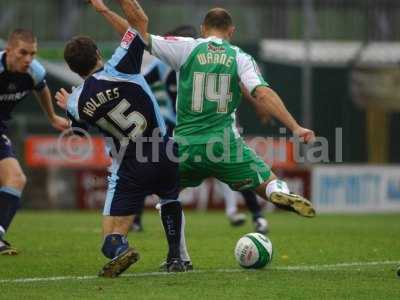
{"x":116,"y":99}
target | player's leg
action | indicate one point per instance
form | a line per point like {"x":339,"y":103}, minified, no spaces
{"x":171,"y":209}
{"x":116,"y":246}
{"x":231,"y":211}
{"x":12,"y":181}
{"x":277,"y":192}
{"x":171,"y":217}
{"x":191,"y":174}
{"x":184,"y":253}
{"x":245,"y":170}
{"x":122,"y":203}
{"x":259,"y":222}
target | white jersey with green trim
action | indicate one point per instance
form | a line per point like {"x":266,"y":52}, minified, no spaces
{"x":209,"y":74}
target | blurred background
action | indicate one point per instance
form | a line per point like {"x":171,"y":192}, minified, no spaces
{"x":335,"y":63}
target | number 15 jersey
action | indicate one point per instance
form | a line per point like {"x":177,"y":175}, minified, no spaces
{"x":117,"y":100}
{"x":208,"y":73}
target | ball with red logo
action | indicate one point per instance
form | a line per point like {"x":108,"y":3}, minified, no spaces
{"x":253,"y":250}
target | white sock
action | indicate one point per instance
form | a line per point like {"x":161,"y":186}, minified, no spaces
{"x":276,"y":185}
{"x":183,"y":249}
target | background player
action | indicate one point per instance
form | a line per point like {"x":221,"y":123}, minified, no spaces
{"x":116,"y":99}
{"x":20,"y":74}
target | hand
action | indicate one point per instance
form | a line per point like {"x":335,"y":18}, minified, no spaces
{"x":60,"y":123}
{"x":98,"y":5}
{"x":306,"y":134}
{"x":62,"y":98}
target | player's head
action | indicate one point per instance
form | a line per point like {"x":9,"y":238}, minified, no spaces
{"x":21,"y":49}
{"x":183,"y":30}
{"x":218,"y":21}
{"x":82,"y":55}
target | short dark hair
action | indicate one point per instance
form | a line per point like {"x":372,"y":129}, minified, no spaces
{"x":20,"y":34}
{"x":81,"y":55}
{"x":218,"y":18}
{"x":183,"y":30}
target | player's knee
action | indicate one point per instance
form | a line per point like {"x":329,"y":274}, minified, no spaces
{"x":16,"y":180}
{"x":114,"y":245}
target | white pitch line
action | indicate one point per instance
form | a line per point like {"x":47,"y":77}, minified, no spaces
{"x":149,"y":274}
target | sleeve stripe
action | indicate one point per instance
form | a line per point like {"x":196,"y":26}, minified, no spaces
{"x":254,"y":89}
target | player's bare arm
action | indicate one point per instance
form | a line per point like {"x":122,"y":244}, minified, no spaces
{"x":44,"y":97}
{"x":271,"y":103}
{"x":136,"y":17}
{"x":263,"y":115}
{"x":117,"y":22}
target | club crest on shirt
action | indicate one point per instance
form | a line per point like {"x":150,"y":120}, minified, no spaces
{"x":127,"y":39}
{"x":12,"y":87}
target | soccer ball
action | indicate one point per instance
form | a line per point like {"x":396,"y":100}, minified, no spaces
{"x":253,"y":250}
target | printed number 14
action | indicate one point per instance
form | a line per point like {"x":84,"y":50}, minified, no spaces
{"x":205,"y":87}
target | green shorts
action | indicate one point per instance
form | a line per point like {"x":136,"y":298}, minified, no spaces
{"x":235,"y":164}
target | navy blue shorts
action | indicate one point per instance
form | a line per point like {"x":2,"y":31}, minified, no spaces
{"x":6,"y":148}
{"x":132,"y":181}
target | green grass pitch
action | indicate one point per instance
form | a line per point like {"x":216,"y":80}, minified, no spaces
{"x":329,"y":257}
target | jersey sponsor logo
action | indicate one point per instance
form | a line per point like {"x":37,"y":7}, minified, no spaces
{"x":171,"y":38}
{"x":14,"y":96}
{"x":216,"y":48}
{"x":127,"y":39}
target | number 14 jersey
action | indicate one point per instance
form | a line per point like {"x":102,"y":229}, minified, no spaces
{"x":209,"y":72}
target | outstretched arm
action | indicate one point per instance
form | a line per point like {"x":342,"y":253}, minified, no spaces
{"x":117,"y":22}
{"x":44,"y":97}
{"x":135,"y":16}
{"x":270,"y":102}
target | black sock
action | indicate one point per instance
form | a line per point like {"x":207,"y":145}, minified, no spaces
{"x":171,"y":216}
{"x":114,"y":244}
{"x":9,"y":204}
{"x":252,"y":204}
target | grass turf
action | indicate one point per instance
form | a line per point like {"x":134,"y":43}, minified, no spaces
{"x":57,"y":244}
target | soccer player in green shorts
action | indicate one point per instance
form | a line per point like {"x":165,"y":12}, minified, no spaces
{"x":212,"y":74}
